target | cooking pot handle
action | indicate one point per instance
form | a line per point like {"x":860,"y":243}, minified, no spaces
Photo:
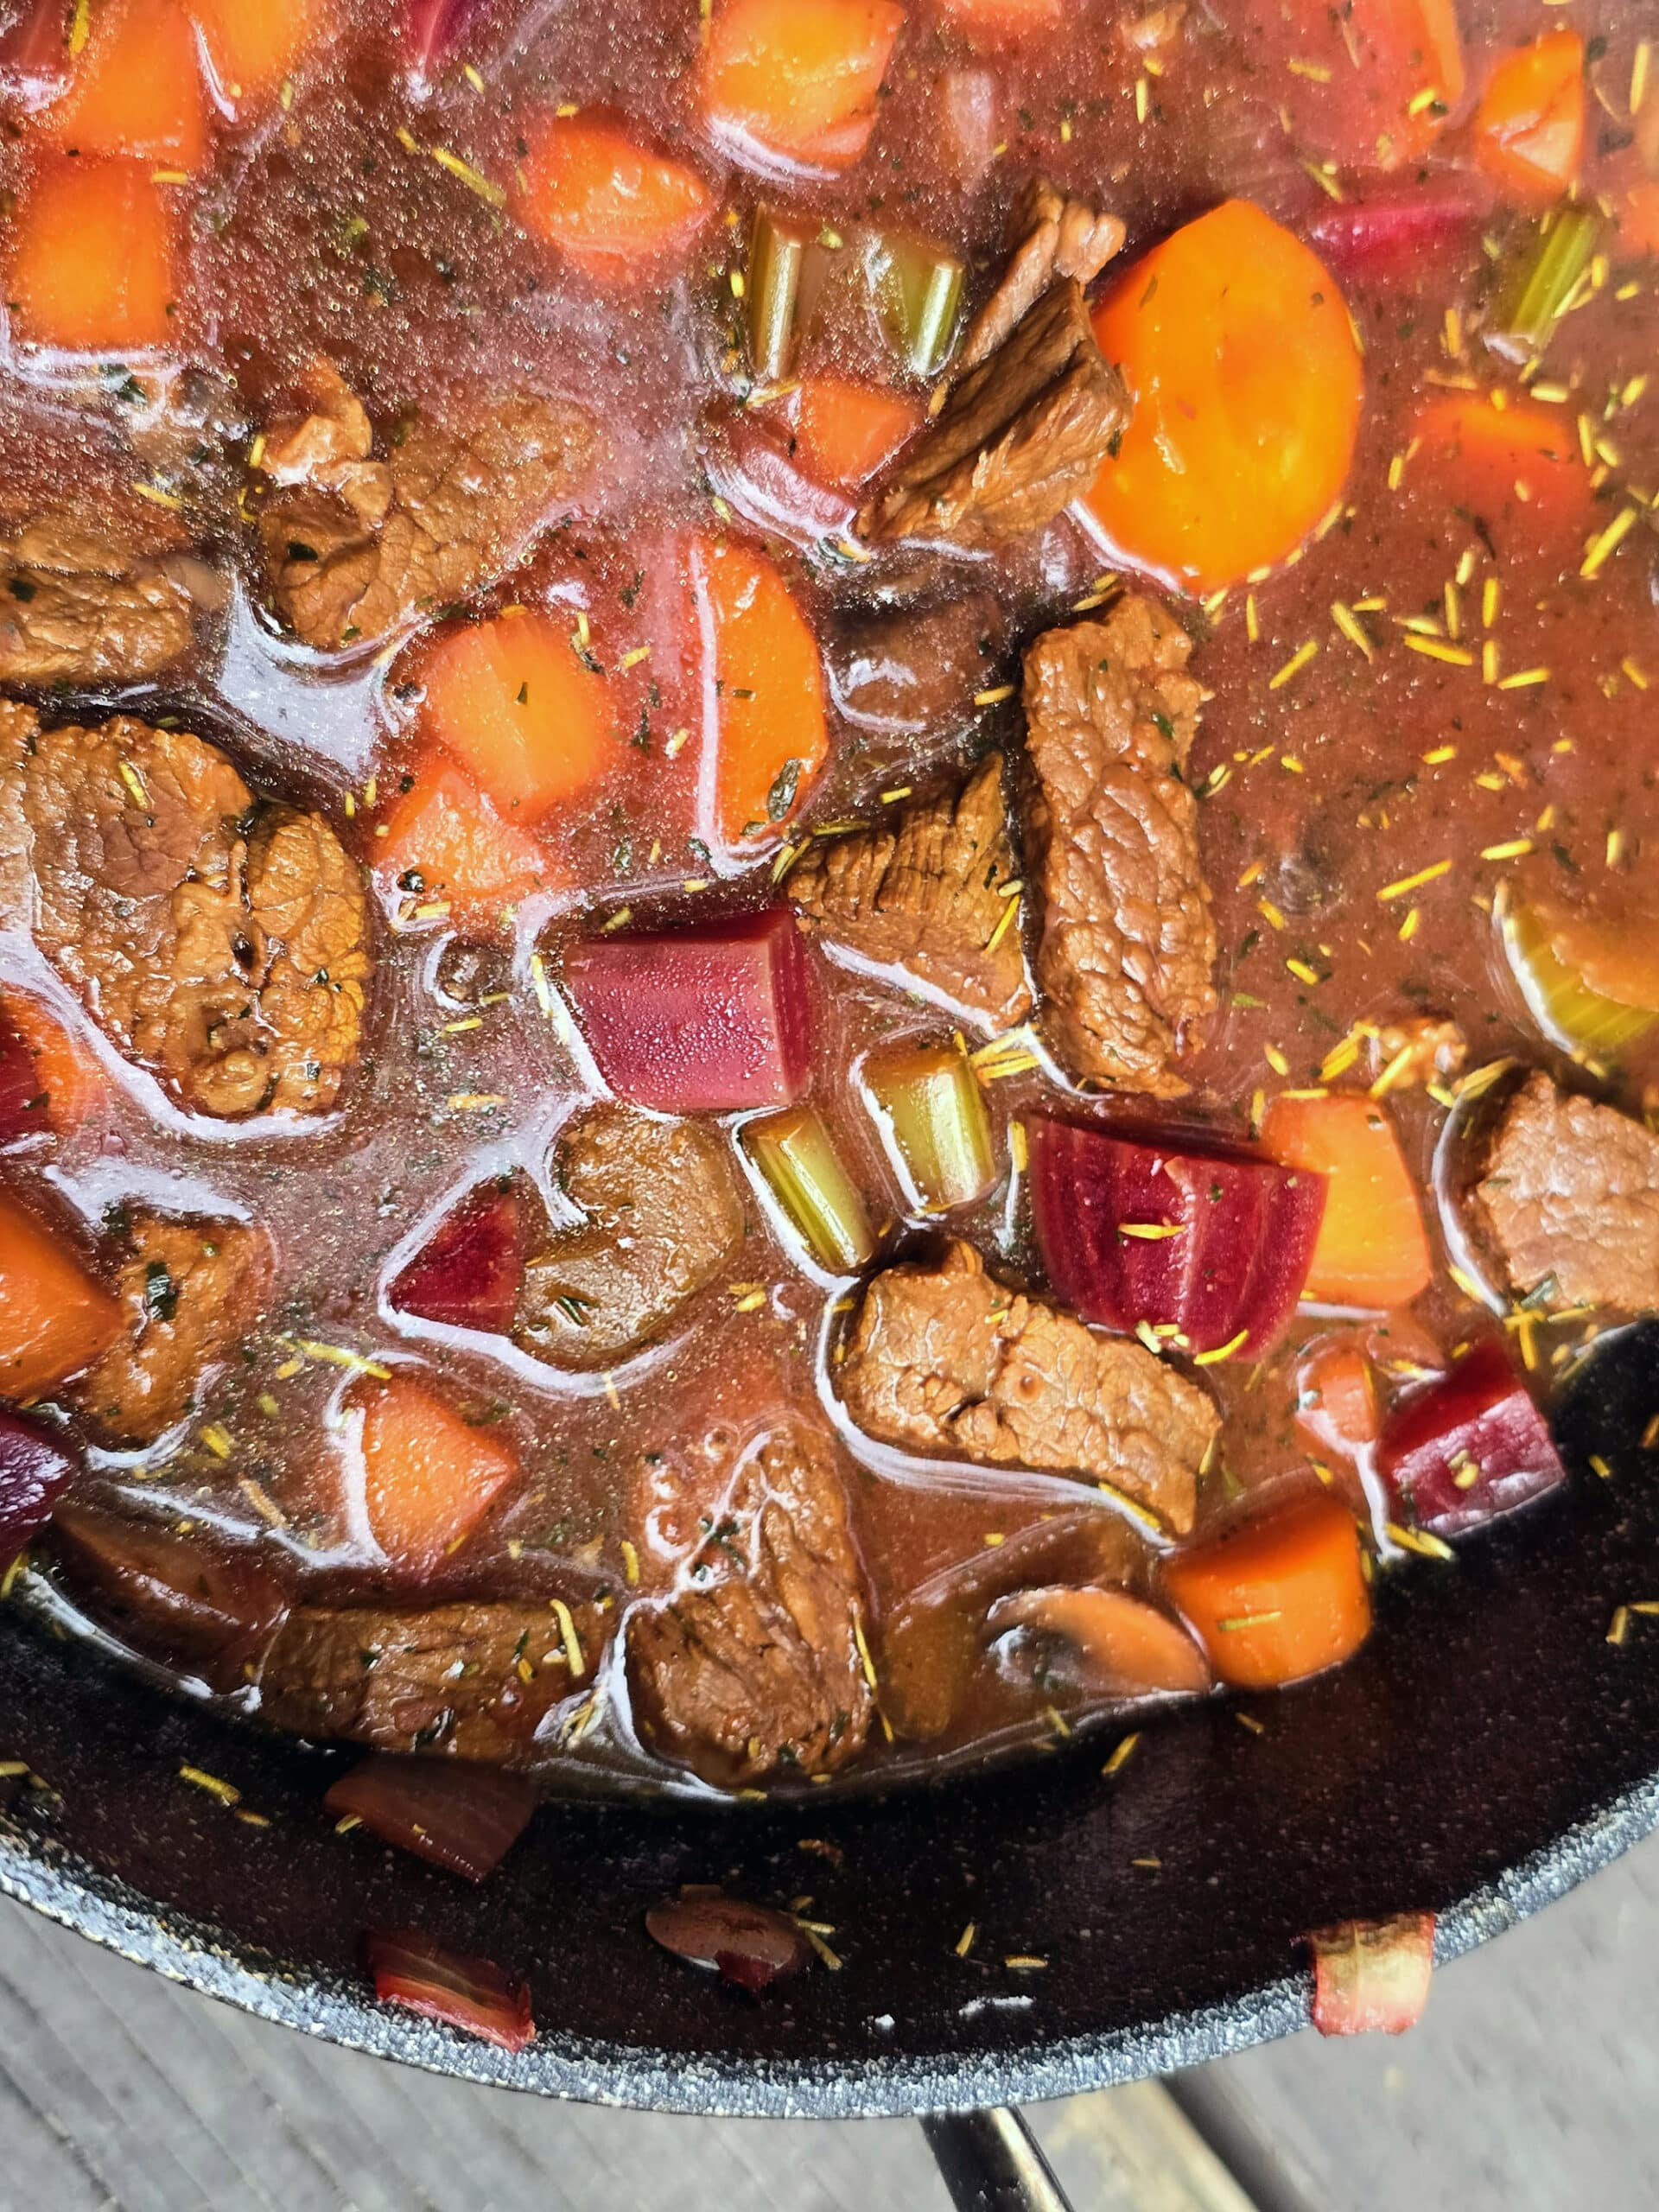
{"x":990,"y":2163}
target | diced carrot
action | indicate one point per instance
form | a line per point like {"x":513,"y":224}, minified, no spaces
{"x":1529,"y":126}
{"x":610,"y":205}
{"x":429,"y":1477}
{"x":1638,"y":218}
{"x":136,"y":89}
{"x":70,"y":1073}
{"x":1372,"y":1248}
{"x":445,"y":843}
{"x":1336,"y":1411}
{"x":54,"y":1320}
{"x":1370,"y":85}
{"x":91,"y":258}
{"x":251,"y":46}
{"x":799,"y":80}
{"x":844,"y":431}
{"x":1278,"y":1599}
{"x":990,"y":23}
{"x":1247,"y":383}
{"x":765,"y":736}
{"x":1519,"y":468}
{"x":512,"y":700}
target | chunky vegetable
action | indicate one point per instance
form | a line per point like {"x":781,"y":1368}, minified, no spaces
{"x":136,"y":89}
{"x":844,"y":431}
{"x":516,"y":699}
{"x":1101,"y":1642}
{"x":1540,"y":282}
{"x":1463,"y":1450}
{"x":1371,"y":1249}
{"x":796,"y":81}
{"x":428,"y":1476}
{"x":918,"y":287}
{"x":1391,"y":236}
{"x":1529,"y":126}
{"x":1519,"y":470}
{"x":1372,"y":1975}
{"x":779,"y":249}
{"x":447,"y":848}
{"x":1143,"y":1235}
{"x":251,"y":46}
{"x":1373,"y":84}
{"x":1246,"y":381}
{"x":698,"y":1020}
{"x":68,"y":1077}
{"x":410,"y":1969}
{"x":54,"y":1320}
{"x":462,"y":1816}
{"x":468,"y":1275}
{"x":1336,"y":1399}
{"x":797,"y":1155}
{"x":35,"y":1472}
{"x":748,"y":1944}
{"x":209,"y":1608}
{"x":988,"y":24}
{"x":91,"y":258}
{"x":765,"y":734}
{"x":1555,"y":952}
{"x":34,"y":54}
{"x":23,"y":1099}
{"x":932,"y":1111}
{"x":618,"y":210}
{"x":1278,"y":1598}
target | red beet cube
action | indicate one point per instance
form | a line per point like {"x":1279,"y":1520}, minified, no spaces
{"x":468,"y":1275}
{"x":1468,"y":1447}
{"x":698,"y":1020}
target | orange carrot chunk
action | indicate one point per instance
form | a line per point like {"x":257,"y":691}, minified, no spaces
{"x":1377,"y":79}
{"x":54,"y":1320}
{"x":797,"y":79}
{"x":91,"y":258}
{"x":845,"y":431}
{"x":1335,"y":1412}
{"x":765,"y":731}
{"x":446,"y":845}
{"x":136,"y":89}
{"x":1278,"y":1597}
{"x":251,"y":46}
{"x":987,"y":24}
{"x":1247,"y":383}
{"x":429,"y":1477}
{"x":1529,"y":126}
{"x":1372,"y":1248}
{"x":511,"y":700}
{"x":1519,"y":468}
{"x":609,"y":205}
{"x":70,"y":1075}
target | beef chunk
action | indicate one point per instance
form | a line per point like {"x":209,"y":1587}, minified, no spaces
{"x":1051,"y":237}
{"x":946,"y":1359}
{"x":83,"y":606}
{"x":220,"y":940}
{"x":475,"y":1681}
{"x":914,"y":672}
{"x":663,"y":1219}
{"x":1569,"y":1201}
{"x":1018,"y":440}
{"x":922,"y":891}
{"x":751,"y":1665}
{"x":1128,"y":943}
{"x":188,"y":1290}
{"x":355,"y":546}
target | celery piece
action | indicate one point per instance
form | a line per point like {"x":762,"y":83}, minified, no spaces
{"x":772,"y":291}
{"x":918,"y":287}
{"x":1535,"y":291}
{"x":802,"y":1170}
{"x":1562,"y":1004}
{"x":932,"y":1112}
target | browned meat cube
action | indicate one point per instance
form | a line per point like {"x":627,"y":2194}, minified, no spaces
{"x":1128,"y":943}
{"x":923,"y":890}
{"x":81,"y":608}
{"x":1051,"y":236}
{"x":664,"y":1220}
{"x":914,"y":672}
{"x":189,"y":1290}
{"x":1569,"y":1201}
{"x":946,"y":1359}
{"x":752,"y":1664}
{"x":355,"y":546}
{"x":475,"y":1681}
{"x":1019,"y":439}
{"x":220,"y":940}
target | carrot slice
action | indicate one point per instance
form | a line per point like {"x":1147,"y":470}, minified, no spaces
{"x":845,"y":431}
{"x":136,"y":90}
{"x":799,"y":80}
{"x":1519,"y":468}
{"x":445,"y":843}
{"x":610,"y":205}
{"x":70,"y":1073}
{"x":765,"y":736}
{"x":251,"y":46}
{"x":91,"y":258}
{"x":987,"y":24}
{"x":1370,"y":85}
{"x":1247,"y":383}
{"x":429,"y":1477}
{"x":54,"y":1320}
{"x":1278,"y":1599}
{"x":510,"y":699}
{"x":1529,"y":126}
{"x":1372,"y":1248}
{"x":1335,"y":1407}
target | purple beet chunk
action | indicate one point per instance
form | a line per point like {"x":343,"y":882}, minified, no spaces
{"x":35,"y":1469}
{"x":1243,"y":1241}
{"x":1468,"y":1447}
{"x":468,"y":1275}
{"x":22,"y":1102}
{"x":1390,"y":238}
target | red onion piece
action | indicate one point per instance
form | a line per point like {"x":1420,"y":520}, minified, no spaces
{"x":469,"y":1273}
{"x":749,"y":1944}
{"x":1372,"y":1976}
{"x":1394,"y":237}
{"x":432,"y":29}
{"x":34,"y":1470}
{"x":180,"y":1599}
{"x":459,"y":1815}
{"x":473,"y":1994}
{"x":35,"y":53}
